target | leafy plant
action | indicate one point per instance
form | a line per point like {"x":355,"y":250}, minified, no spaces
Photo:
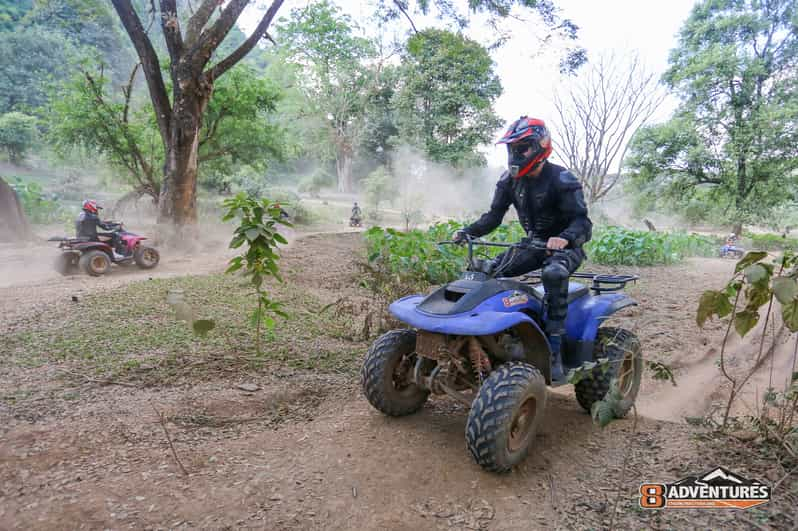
{"x":620,"y":246}
{"x":38,"y":208}
{"x":18,"y":133}
{"x":258,"y":230}
{"x":756,"y":283}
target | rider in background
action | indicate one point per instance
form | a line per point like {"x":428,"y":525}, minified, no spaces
{"x":357,"y":215}
{"x":87,"y":222}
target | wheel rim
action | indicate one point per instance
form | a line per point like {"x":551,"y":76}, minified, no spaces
{"x":399,"y":376}
{"x":149,"y":257}
{"x":98,"y":263}
{"x":521,"y":425}
{"x":626,"y":374}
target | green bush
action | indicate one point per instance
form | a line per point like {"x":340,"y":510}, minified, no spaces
{"x":414,"y":254}
{"x":38,"y":208}
{"x":18,"y":133}
{"x":620,"y":246}
{"x":771,"y":242}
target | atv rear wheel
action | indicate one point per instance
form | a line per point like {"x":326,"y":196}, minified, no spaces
{"x":66,"y":264}
{"x":626,"y":364}
{"x":384,"y":375}
{"x":146,"y":257}
{"x":95,"y":263}
{"x":505,"y":415}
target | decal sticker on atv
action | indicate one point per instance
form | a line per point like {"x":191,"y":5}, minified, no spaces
{"x":515,"y":299}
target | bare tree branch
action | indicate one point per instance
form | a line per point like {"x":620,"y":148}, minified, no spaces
{"x":198,"y":21}
{"x":598,"y":117}
{"x":150,"y":65}
{"x":171,"y":29}
{"x":209,"y":40}
{"x":403,"y":8}
{"x":225,"y":64}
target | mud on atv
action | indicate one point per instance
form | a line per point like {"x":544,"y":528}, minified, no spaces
{"x":95,"y":257}
{"x":480,"y":340}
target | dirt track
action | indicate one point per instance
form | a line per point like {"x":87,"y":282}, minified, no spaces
{"x":321,"y":458}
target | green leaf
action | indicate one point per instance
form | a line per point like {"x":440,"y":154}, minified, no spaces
{"x":785,"y":289}
{"x":203,"y":326}
{"x":750,"y":258}
{"x":755,"y":273}
{"x":252,"y":234}
{"x":602,"y":413}
{"x":789,"y":313}
{"x":745,"y":320}
{"x":712,"y":303}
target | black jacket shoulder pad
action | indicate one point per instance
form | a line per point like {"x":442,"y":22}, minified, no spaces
{"x":568,"y":181}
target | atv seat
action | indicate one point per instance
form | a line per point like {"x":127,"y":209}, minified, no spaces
{"x":68,"y":239}
{"x":575,"y":291}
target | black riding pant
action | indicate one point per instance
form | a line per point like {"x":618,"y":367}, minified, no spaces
{"x":556,"y":269}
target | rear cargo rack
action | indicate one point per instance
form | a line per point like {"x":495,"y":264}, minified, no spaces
{"x":600,"y":282}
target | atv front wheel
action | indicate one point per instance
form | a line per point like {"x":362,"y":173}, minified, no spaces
{"x":66,"y":264}
{"x":146,"y":257}
{"x":625,"y":363}
{"x":384,"y":375}
{"x":95,"y":263}
{"x":505,"y":415}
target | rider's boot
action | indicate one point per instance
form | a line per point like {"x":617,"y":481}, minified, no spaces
{"x":557,"y":373}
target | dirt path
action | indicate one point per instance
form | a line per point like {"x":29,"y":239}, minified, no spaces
{"x":305,"y":451}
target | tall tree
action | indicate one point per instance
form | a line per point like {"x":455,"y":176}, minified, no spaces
{"x":237,"y":128}
{"x":736,"y":131}
{"x":445,"y":99}
{"x":337,"y":76}
{"x":179,"y":117}
{"x":193,"y":76}
{"x":598,"y":116}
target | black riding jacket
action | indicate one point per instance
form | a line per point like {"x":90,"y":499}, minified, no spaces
{"x":549,"y":205}
{"x":87,"y":223}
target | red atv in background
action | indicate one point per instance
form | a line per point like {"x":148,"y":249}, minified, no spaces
{"x":96,"y":257}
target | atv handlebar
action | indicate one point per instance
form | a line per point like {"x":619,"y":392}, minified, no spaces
{"x":525,"y":244}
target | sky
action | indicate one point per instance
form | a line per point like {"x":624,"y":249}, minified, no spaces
{"x":529,"y":74}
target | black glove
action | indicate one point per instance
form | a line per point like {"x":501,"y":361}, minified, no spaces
{"x":460,"y":236}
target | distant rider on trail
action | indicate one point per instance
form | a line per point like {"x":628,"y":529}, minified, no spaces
{"x":356,"y":213}
{"x":551,"y":206}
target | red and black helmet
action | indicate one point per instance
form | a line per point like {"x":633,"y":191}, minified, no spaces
{"x":523,"y":134}
{"x":90,"y":205}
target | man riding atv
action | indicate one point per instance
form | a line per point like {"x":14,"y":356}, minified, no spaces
{"x":86,"y":227}
{"x":551,"y":207}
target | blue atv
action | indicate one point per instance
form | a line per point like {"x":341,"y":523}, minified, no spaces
{"x":480,"y":340}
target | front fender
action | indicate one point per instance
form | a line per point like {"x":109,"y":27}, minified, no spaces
{"x":477,"y":322}
{"x":585,"y":315}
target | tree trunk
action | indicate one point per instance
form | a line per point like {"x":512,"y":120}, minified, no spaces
{"x":343,"y":166}
{"x":13,"y":224}
{"x":177,"y":202}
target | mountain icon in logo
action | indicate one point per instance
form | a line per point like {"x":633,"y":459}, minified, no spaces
{"x":720,"y":476}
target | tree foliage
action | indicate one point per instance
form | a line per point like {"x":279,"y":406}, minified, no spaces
{"x":544,"y":15}
{"x":238,"y":128}
{"x":734,"y":138}
{"x":336,"y":78}
{"x":18,"y":133}
{"x":31,"y":59}
{"x":445,"y":101}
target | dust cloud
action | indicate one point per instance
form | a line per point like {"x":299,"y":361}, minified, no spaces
{"x":439,"y":191}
